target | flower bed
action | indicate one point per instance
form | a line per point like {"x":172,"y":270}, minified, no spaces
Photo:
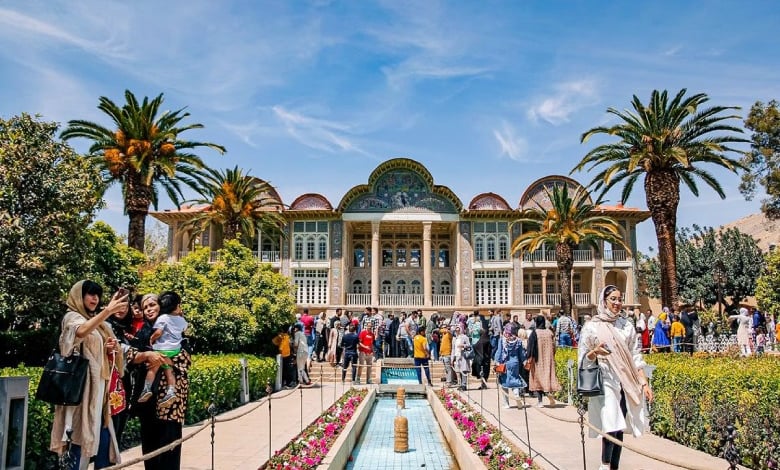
{"x":486,"y":440}
{"x":307,"y":450}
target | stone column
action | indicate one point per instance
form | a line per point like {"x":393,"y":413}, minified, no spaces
{"x":376,"y":260}
{"x":426,"y":256}
{"x":176,"y":235}
{"x":544,"y":287}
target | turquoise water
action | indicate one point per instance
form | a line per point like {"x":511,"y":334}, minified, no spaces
{"x":427,"y":447}
{"x":399,"y":376}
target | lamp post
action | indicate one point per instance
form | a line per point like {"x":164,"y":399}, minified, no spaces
{"x":719,"y":276}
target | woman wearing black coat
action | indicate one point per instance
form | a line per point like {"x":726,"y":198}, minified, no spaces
{"x":480,"y":366}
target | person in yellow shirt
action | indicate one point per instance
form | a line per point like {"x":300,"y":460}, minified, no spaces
{"x":677,"y":332}
{"x":421,"y":355}
{"x":282,"y":341}
{"x":445,"y":353}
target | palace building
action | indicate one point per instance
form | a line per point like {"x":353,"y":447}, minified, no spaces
{"x":402,"y":242}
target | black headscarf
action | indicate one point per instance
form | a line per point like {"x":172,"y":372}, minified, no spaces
{"x":533,"y":340}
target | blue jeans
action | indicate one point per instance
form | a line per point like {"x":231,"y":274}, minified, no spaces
{"x":410,"y":346}
{"x":424,"y":363}
{"x":676,"y":343}
{"x":101,"y":459}
{"x":493,"y":343}
{"x":434,"y":350}
{"x":564,"y":339}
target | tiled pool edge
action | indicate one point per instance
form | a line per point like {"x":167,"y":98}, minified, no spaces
{"x":461,"y":449}
{"x":339,"y":453}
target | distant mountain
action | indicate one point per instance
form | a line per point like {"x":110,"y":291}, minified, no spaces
{"x":765,"y":231}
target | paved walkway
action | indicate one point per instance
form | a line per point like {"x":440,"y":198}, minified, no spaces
{"x":244,"y":443}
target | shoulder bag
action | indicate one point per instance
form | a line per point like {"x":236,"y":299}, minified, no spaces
{"x":63,"y":379}
{"x":117,"y":399}
{"x":589,"y":380}
{"x":500,"y":368}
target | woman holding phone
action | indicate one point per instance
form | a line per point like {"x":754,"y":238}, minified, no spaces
{"x":609,"y":339}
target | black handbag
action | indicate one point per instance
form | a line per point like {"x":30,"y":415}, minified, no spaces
{"x":63,"y":379}
{"x":589,"y":381}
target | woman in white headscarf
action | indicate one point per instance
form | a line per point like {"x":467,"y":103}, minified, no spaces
{"x":610,"y":339}
{"x":744,"y":324}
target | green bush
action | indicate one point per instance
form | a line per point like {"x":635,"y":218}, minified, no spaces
{"x":695,"y":398}
{"x":211,"y":377}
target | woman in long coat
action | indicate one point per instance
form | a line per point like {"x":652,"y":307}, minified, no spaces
{"x":541,"y":354}
{"x":460,"y":364}
{"x":744,"y":323}
{"x":609,"y":342}
{"x":511,"y":353}
{"x":480,"y":366}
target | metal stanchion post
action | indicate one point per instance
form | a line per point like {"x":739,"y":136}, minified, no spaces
{"x":581,"y":412}
{"x":730,"y":452}
{"x":570,"y":375}
{"x":321,"y":404}
{"x":498,"y":403}
{"x":212,"y":409}
{"x":301,"y":390}
{"x":481,"y":389}
{"x":268,"y":391}
{"x":527,"y":429}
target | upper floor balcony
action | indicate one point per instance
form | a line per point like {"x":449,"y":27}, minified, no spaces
{"x":548,"y":257}
{"x":271,"y":257}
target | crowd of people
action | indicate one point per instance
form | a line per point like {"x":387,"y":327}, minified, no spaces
{"x":134,"y":344}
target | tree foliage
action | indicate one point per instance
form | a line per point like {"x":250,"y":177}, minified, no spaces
{"x":763,"y":160}
{"x":768,"y":285}
{"x":234,"y":304}
{"x":698,"y":249}
{"x":109,"y":262}
{"x":666,"y":142}
{"x":48,"y":196}
{"x":143,"y":152}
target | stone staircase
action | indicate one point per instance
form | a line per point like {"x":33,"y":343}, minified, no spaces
{"x":328,"y":374}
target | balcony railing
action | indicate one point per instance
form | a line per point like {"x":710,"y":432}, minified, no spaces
{"x":267,"y":256}
{"x":443,"y":300}
{"x":582,"y":256}
{"x":553,"y":299}
{"x":582,"y":298}
{"x":401,"y":300}
{"x":533,"y":299}
{"x":540,"y":256}
{"x":615,"y":255}
{"x":359,"y":299}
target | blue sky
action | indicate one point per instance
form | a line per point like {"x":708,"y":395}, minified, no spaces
{"x":312,"y":96}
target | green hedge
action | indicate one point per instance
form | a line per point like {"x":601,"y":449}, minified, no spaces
{"x":210,"y":376}
{"x":697,"y":397}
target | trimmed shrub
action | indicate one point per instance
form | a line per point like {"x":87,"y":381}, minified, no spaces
{"x":211,"y":377}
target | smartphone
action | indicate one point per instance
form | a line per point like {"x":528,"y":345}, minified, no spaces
{"x":606,"y":348}
{"x":122,"y":291}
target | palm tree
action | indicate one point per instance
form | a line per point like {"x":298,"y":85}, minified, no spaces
{"x":142,"y":152}
{"x":667,"y":142}
{"x":242,"y":205}
{"x":568,"y":222}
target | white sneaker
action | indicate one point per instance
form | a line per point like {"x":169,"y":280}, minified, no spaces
{"x":516,"y":392}
{"x":506,"y":406}
{"x":146,"y":394}
{"x":603,"y":467}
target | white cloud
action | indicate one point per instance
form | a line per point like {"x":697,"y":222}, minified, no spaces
{"x":568,"y":98}
{"x":512,"y":145}
{"x":319,"y":134}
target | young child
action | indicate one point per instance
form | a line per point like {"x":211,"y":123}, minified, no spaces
{"x":677,"y":333}
{"x":166,"y":339}
{"x":760,"y":340}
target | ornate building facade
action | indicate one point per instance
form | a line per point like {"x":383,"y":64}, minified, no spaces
{"x":401,"y":242}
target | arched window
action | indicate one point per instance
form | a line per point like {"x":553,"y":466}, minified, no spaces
{"x":444,"y":256}
{"x":359,"y":256}
{"x":400,"y":255}
{"x":298,"y":255}
{"x":387,"y":256}
{"x":479,"y":249}
{"x":445,"y":289}
{"x":311,"y":246}
{"x":400,"y":287}
{"x":414,"y":256}
{"x":416,"y":287}
{"x":387,"y":287}
{"x":357,"y":287}
{"x":322,"y":248}
{"x":503,"y":248}
{"x":491,"y":248}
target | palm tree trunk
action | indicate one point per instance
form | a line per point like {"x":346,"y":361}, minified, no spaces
{"x":662,"y":192}
{"x":564,"y":255}
{"x":138,"y":197}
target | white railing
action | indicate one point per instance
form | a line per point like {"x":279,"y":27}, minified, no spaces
{"x":533,"y":299}
{"x":614,"y":255}
{"x":540,"y":256}
{"x":267,"y":256}
{"x":553,"y":299}
{"x":401,"y":300}
{"x":359,"y":299}
{"x":582,"y":298}
{"x":443,"y":300}
{"x":582,"y":256}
